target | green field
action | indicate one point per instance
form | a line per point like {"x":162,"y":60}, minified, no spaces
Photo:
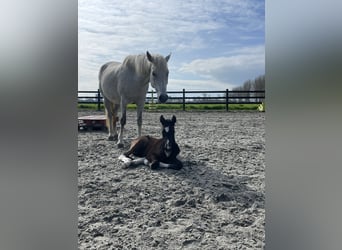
{"x":188,"y":107}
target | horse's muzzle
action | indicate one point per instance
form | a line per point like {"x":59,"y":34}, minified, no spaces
{"x":163,"y":98}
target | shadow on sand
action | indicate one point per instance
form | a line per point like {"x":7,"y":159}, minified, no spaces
{"x":218,"y":185}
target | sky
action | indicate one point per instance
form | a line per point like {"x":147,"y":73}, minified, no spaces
{"x":214,"y":44}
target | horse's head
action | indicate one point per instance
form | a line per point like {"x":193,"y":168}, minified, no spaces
{"x":168,"y":126}
{"x":159,"y":75}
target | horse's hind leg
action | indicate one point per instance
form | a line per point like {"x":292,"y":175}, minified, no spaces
{"x":115,"y":120}
{"x":111,"y":113}
{"x":137,"y":147}
{"x":122,"y":123}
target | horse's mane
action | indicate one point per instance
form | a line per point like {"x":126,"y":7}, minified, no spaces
{"x":141,"y":64}
{"x":138,"y":63}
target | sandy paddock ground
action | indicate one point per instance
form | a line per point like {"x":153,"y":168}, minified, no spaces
{"x":217,"y":201}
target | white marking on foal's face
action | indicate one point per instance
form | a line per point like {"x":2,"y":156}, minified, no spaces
{"x":168,"y":145}
{"x":167,"y":149}
{"x":167,"y":129}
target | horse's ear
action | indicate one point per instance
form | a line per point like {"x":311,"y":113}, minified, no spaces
{"x":168,"y":57}
{"x":149,"y":56}
{"x":173,"y":119}
{"x":162,"y":119}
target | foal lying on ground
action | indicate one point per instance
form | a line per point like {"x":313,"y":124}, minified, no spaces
{"x":155,"y":152}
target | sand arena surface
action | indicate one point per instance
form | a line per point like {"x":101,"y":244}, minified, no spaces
{"x":217,"y":201}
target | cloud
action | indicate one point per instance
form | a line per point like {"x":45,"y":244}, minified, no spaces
{"x":246,"y":64}
{"x":110,"y":30}
{"x":133,"y":24}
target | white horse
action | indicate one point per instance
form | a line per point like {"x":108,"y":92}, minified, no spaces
{"x":127,"y":82}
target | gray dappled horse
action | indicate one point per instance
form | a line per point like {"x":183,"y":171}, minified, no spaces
{"x":127,"y":82}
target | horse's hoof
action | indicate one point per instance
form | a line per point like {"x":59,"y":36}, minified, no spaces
{"x":154,"y":165}
{"x":120,"y":145}
{"x":176,"y":167}
{"x":126,"y":165}
{"x":112,"y":138}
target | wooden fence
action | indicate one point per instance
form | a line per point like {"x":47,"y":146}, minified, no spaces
{"x":184,"y":97}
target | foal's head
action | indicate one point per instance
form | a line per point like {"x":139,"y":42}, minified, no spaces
{"x":168,"y":126}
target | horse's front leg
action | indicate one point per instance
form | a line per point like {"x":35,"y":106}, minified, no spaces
{"x":176,"y":164}
{"x":151,"y":161}
{"x":122,"y":123}
{"x":172,"y":164}
{"x":140,"y":108}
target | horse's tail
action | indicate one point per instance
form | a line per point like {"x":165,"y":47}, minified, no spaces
{"x":109,"y":112}
{"x":102,"y":69}
{"x":107,"y":120}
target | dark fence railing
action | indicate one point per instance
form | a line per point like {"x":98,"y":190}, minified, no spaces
{"x":188,"y":97}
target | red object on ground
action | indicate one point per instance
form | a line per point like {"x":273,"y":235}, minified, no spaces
{"x":92,"y":122}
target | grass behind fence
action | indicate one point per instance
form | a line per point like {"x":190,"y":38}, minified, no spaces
{"x":170,"y":106}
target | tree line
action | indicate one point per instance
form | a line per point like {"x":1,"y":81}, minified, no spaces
{"x":252,"y":85}
{"x":258,"y":84}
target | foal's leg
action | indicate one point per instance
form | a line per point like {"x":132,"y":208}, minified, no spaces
{"x":128,"y":162}
{"x":172,"y":164}
{"x":176,"y":164}
{"x":152,"y":162}
{"x":135,"y":144}
{"x":110,"y":113}
{"x":122,"y":122}
{"x":135,"y":149}
{"x":137,"y":162}
{"x":153,"y":165}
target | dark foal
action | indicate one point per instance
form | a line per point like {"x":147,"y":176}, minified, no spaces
{"x":155,"y":152}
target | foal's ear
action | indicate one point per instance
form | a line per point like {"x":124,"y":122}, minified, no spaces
{"x":173,"y":119}
{"x":149,"y":56}
{"x":168,"y":57}
{"x":162,"y":119}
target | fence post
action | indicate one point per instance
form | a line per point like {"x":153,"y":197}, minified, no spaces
{"x":227,"y":99}
{"x":183,"y":99}
{"x":98,"y":100}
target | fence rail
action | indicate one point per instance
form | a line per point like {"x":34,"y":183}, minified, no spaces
{"x":185,"y":97}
